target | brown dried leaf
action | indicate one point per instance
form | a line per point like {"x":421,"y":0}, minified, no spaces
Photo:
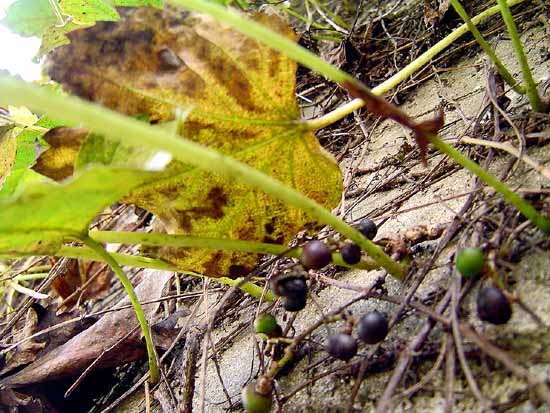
{"x":73,"y":357}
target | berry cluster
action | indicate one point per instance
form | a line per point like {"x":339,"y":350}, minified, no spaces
{"x":372,"y":328}
{"x":292,"y":287}
{"x":316,"y":254}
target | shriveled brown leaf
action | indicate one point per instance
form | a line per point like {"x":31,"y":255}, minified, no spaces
{"x":82,"y":281}
{"x":73,"y":357}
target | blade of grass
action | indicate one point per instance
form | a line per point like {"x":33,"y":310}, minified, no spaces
{"x":530,"y":85}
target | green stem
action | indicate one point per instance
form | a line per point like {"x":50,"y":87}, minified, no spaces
{"x":403,"y":74}
{"x":298,"y":16}
{"x":145,"y":262}
{"x":508,"y":78}
{"x":130,"y":131}
{"x":174,"y":240}
{"x":330,"y":15}
{"x":530,"y":84}
{"x":30,"y":277}
{"x":541,"y":222}
{"x":98,"y":249}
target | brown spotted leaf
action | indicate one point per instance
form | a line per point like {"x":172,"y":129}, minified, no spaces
{"x":57,"y":162}
{"x":239,"y":98}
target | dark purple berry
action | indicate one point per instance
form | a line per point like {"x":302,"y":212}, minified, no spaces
{"x":372,"y":327}
{"x":294,"y":303}
{"x":367,"y":228}
{"x":351,"y":253}
{"x":341,"y":346}
{"x":290,"y":285}
{"x":315,"y":255}
{"x":493,"y":306}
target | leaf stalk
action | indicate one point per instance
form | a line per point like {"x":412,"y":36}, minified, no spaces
{"x":146,"y":331}
{"x":530,"y":85}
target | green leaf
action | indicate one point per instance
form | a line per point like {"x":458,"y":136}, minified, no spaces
{"x":30,"y":17}
{"x":28,"y":143}
{"x":55,"y":36}
{"x":37,"y":18}
{"x":97,"y":149}
{"x":88,"y":11}
{"x":45,"y":214}
{"x":8,"y":147}
{"x":137,"y":3}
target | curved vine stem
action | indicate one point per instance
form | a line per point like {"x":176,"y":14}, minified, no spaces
{"x":403,"y":74}
{"x":105,"y":256}
{"x":156,"y":264}
{"x":185,"y":241}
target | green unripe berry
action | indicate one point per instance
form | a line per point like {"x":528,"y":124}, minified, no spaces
{"x":254,"y":401}
{"x":265,"y":323}
{"x":470,"y":261}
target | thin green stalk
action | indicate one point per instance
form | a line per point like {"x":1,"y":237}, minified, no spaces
{"x":541,"y":222}
{"x":130,"y":131}
{"x":530,"y":84}
{"x":403,"y":74}
{"x":152,"y":263}
{"x":326,"y":38}
{"x":335,"y":20}
{"x":98,"y":249}
{"x":174,"y":240}
{"x":30,"y":276}
{"x":508,"y":78}
{"x":298,"y":16}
